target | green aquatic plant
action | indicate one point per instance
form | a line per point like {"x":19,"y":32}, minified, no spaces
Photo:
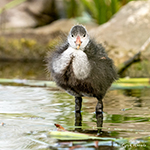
{"x":72,"y":8}
{"x":102,"y":10}
{"x":11,"y":5}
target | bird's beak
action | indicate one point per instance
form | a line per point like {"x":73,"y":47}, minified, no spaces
{"x":78,"y":42}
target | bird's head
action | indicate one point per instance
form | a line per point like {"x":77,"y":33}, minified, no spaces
{"x":78,"y":37}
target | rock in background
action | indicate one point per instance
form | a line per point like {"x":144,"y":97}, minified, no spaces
{"x":127,"y":31}
{"x":31,"y":13}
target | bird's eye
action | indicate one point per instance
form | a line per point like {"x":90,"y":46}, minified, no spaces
{"x":72,"y":35}
{"x":84,"y":35}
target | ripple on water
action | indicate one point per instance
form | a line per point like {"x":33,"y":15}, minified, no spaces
{"x":29,"y":113}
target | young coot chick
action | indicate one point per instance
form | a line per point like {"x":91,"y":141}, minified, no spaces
{"x":82,"y":68}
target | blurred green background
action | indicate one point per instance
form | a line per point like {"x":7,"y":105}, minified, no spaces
{"x":100,"y":10}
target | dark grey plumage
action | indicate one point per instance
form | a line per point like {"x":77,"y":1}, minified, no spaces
{"x":101,"y":75}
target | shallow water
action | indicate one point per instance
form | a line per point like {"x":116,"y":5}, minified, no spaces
{"x":27,"y":114}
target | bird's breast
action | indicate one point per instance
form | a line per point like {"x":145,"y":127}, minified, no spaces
{"x":81,"y":65}
{"x":77,"y":58}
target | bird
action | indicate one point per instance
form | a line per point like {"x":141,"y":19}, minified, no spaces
{"x":82,"y":68}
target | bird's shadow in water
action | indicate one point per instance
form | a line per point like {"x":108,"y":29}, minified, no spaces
{"x":78,"y":123}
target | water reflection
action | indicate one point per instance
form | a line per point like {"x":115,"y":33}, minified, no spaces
{"x":78,"y":120}
{"x":135,"y":93}
{"x":29,"y":113}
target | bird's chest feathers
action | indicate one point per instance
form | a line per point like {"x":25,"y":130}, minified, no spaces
{"x":79,"y":61}
{"x":80,"y":64}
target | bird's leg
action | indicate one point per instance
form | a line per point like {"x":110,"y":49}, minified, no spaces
{"x":99,"y":113}
{"x":78,"y":104}
{"x":78,"y":116}
{"x":78,"y":121}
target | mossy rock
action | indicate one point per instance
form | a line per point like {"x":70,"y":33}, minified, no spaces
{"x":26,"y":47}
{"x":138,"y":70}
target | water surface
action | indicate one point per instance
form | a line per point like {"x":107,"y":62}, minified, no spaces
{"x":28,"y":114}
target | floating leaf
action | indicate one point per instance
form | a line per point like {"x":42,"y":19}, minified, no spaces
{"x":69,"y":136}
